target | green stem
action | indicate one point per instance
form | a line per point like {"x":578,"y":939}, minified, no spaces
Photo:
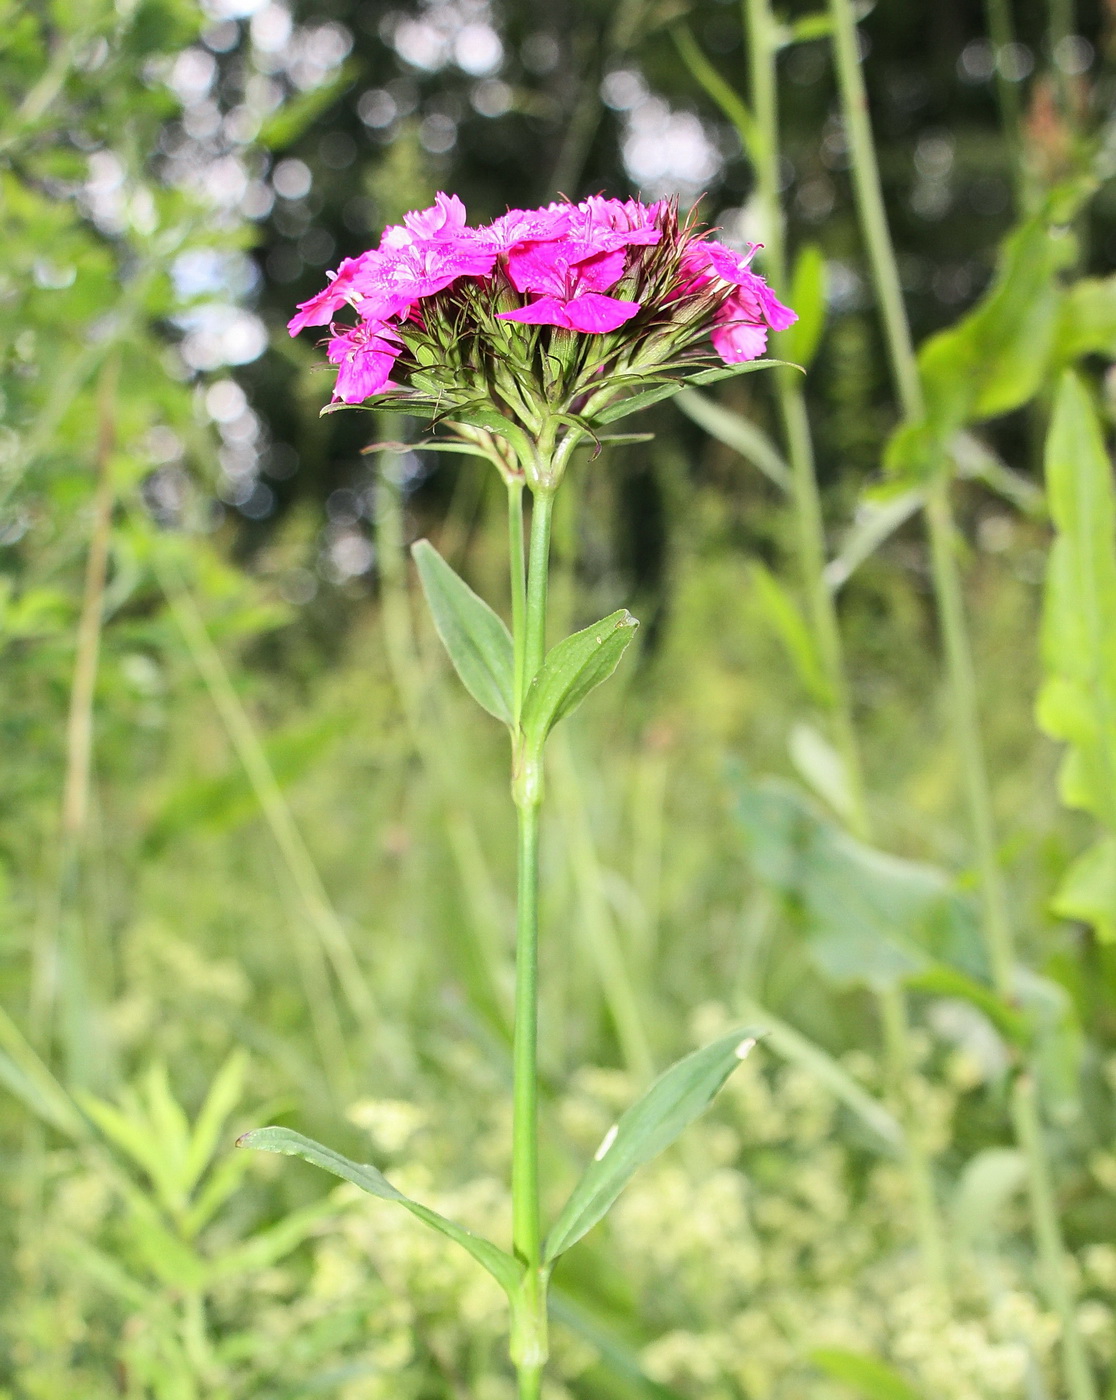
{"x":763,"y":38}
{"x":1061,"y":26}
{"x":518,"y":588}
{"x":966,"y":728}
{"x":873,"y":219}
{"x":528,"y":1343}
{"x":1001,"y":31}
{"x":1048,"y":1237}
{"x":928,"y":1221}
{"x":763,"y":42}
{"x":525,"y":1146}
{"x":1077,"y":1375}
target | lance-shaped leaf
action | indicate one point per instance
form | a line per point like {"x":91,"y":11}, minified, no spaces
{"x":1077,"y":703}
{"x":504,"y":1269}
{"x":571,"y":670}
{"x":673,"y":1102}
{"x":478,"y":642}
{"x":737,"y":432}
{"x":807,"y":296}
{"x":668,"y":388}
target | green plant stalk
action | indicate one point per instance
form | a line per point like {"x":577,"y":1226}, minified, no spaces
{"x":1061,"y":26}
{"x":762,"y":30}
{"x":529,"y":1330}
{"x":1048,"y":1234}
{"x":928,"y":1221}
{"x":1049,"y":1244}
{"x":1001,"y":31}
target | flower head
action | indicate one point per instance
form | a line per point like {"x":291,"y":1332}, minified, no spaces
{"x":545,"y":316}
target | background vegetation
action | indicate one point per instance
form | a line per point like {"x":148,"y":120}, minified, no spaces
{"x":254,"y":842}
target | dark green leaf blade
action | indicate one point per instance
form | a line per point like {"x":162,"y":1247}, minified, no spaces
{"x":503,"y":1268}
{"x":573,"y":668}
{"x":652,"y":1123}
{"x":478,"y":642}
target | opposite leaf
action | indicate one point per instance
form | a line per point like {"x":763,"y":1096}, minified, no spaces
{"x":673,"y":1102}
{"x":478,"y":642}
{"x":571,"y":670}
{"x":503,"y":1268}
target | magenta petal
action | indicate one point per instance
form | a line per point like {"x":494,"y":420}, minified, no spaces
{"x":547,"y":311}
{"x":539,"y":267}
{"x":777,"y":316}
{"x":598,"y":314}
{"x":738,"y":341}
{"x":600,"y":271}
{"x":364,"y":356}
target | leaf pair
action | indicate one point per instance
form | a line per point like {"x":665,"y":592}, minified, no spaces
{"x":673,"y":1102}
{"x":483,"y":654}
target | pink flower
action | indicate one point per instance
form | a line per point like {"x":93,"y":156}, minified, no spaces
{"x":364,"y":356}
{"x":389,"y":283}
{"x":616,"y":223}
{"x":529,"y":225}
{"x":444,"y":220}
{"x":589,"y":312}
{"x":736,"y":338}
{"x":322,"y":308}
{"x":571,"y":275}
{"x":740,"y":324}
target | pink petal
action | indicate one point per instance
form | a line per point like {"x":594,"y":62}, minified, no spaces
{"x":600,"y":271}
{"x":364,"y":356}
{"x":539,"y":267}
{"x":546,"y":311}
{"x":595,"y":313}
{"x":322,"y":308}
{"x":739,"y":340}
{"x":590,"y":312}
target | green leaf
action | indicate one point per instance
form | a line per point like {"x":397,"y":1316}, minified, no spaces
{"x":798,"y":1049}
{"x":792,"y":630}
{"x":1077,"y":702}
{"x":289,"y":122}
{"x":478,"y":642}
{"x":869,"y":918}
{"x":944,"y":981}
{"x":987,"y":1182}
{"x":723,"y":93}
{"x":224,"y":1094}
{"x":876,"y":521}
{"x":872,"y":1378}
{"x":995,"y":358}
{"x":573,"y":668}
{"x":622,"y":407}
{"x":1087,"y":320}
{"x":737,"y":432}
{"x":822,"y":768}
{"x":1088,"y":889}
{"x":807,"y":295}
{"x":652,"y":1123}
{"x":504,"y":1269}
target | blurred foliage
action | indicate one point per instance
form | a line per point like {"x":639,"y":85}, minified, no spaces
{"x":255,"y":844}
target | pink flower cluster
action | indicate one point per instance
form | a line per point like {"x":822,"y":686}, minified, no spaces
{"x":563,"y":262}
